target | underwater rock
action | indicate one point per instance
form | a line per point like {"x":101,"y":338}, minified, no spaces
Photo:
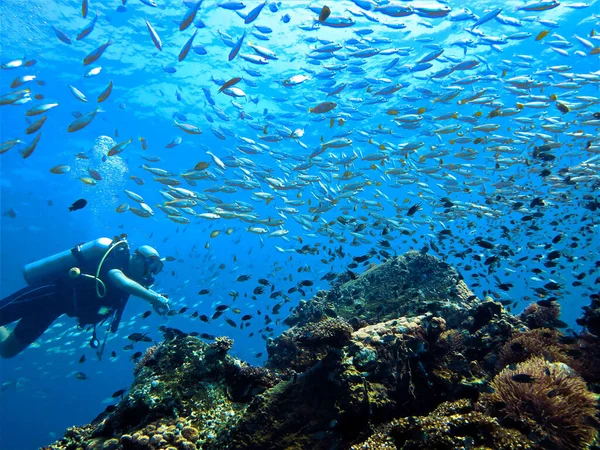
{"x":407,"y":285}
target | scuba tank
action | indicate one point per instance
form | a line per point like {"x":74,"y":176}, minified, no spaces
{"x":59,"y":265}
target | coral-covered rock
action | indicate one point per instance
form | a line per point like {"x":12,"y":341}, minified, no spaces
{"x":301,"y":347}
{"x":407,"y":285}
{"x":450,"y":426}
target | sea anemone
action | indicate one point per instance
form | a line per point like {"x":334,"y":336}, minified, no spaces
{"x":547,"y":399}
{"x":537,"y":316}
{"x":539,"y":342}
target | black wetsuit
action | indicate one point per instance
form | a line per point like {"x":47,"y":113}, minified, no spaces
{"x":36,"y":307}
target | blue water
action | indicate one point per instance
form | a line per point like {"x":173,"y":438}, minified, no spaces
{"x":40,"y":394}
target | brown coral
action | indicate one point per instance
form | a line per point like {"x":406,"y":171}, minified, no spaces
{"x":537,"y":316}
{"x":539,"y":342}
{"x":452,"y":425}
{"x":547,"y":399}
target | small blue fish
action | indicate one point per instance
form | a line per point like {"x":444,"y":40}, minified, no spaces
{"x":252,"y":15}
{"x":199,"y":49}
{"x":121,"y":9}
{"x":235,"y":50}
{"x":232,"y":6}
{"x":264,"y":30}
{"x":149,"y":3}
{"x":259,"y":36}
{"x":62,"y":36}
{"x":179,"y":117}
{"x":208,"y":96}
{"x":169,"y":69}
{"x":285,"y":18}
{"x":88,"y":29}
{"x":190,"y":16}
{"x":273,"y":7}
{"x":487,"y":17}
{"x":154,"y":36}
{"x":187,"y":46}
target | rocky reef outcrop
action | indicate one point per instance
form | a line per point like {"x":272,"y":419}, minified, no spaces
{"x":404,"y":356}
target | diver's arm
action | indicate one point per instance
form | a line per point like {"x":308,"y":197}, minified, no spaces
{"x":137,"y":290}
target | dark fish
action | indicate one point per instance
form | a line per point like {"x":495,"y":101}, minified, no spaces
{"x":325,"y":12}
{"x":545,"y":303}
{"x":305,"y":283}
{"x":136,"y":356}
{"x":247,"y":317}
{"x":552,"y":286}
{"x":204,"y":318}
{"x":146,"y":314}
{"x":258,"y":290}
{"x":119,"y":393}
{"x":221,"y":308}
{"x":484,"y":244}
{"x":128,"y":347}
{"x":523,"y":378}
{"x":81,"y":376}
{"x":574,"y":353}
{"x":413,"y":209}
{"x":264,"y":282}
{"x":183,"y":310}
{"x":491,"y":260}
{"x":204,"y":292}
{"x":79,"y":204}
{"x":113,"y":354}
{"x":208,"y":337}
{"x":244,"y":277}
{"x":258,"y":355}
{"x":230,"y":322}
{"x":139,"y":337}
{"x":567,"y":340}
{"x":82,"y":359}
{"x":216,"y":315}
{"x":553,"y":255}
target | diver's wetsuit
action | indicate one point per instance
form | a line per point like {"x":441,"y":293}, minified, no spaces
{"x":38,"y":306}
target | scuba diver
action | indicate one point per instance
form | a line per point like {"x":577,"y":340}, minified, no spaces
{"x":91,"y":282}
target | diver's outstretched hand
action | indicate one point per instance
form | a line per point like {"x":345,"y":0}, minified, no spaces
{"x":161,"y":304}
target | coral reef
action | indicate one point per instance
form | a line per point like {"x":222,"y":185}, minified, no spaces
{"x":548,"y":400}
{"x":402,"y":356}
{"x":451,"y":426}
